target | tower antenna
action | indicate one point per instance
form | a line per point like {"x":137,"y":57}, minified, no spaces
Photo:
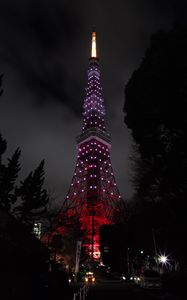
{"x":94,"y":45}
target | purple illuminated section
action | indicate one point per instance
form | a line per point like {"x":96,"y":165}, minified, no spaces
{"x":93,"y":107}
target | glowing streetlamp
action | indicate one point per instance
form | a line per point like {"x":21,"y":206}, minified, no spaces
{"x":163,"y":259}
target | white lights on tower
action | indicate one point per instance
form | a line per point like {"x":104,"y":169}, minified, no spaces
{"x":94,"y":52}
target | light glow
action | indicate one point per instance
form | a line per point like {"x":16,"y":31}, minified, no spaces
{"x":94,"y":50}
{"x":163,"y":259}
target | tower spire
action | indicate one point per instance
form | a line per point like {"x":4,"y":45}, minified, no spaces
{"x":94,"y":46}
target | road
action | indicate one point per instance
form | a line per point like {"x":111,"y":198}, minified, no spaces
{"x":120,"y":291}
{"x":108,"y":289}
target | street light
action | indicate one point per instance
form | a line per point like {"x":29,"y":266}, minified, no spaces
{"x":163,"y":259}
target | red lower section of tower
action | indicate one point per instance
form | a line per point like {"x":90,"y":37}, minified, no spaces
{"x":90,"y":226}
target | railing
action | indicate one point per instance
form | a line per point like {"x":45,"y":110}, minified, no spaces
{"x":82,"y":293}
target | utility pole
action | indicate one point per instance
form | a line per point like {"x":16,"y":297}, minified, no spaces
{"x":92,"y":237}
{"x":77,"y":259}
{"x":128,"y":263}
{"x":155,"y":249}
{"x":154,"y":241}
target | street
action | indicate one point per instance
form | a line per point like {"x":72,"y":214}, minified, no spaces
{"x":118,"y":290}
{"x":111,"y":289}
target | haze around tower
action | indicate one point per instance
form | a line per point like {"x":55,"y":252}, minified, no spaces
{"x":44,"y":51}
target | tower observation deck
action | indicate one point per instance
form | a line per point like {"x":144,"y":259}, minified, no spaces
{"x":93,"y":197}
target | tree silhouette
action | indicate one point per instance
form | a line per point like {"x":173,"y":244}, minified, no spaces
{"x":8,"y":173}
{"x":8,"y":177}
{"x":33,"y":196}
{"x":1,"y":90}
{"x":48,"y":218}
{"x":3,"y":146}
{"x":155,"y":111}
{"x":3,"y":143}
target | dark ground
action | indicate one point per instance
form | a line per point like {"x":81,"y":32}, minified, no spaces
{"x":109,"y":288}
{"x":106,"y":287}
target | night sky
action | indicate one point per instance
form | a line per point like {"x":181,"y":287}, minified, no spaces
{"x":44,"y":51}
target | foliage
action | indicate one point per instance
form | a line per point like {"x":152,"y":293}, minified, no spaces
{"x":1,"y":90}
{"x":48,"y":219}
{"x":158,"y":123}
{"x":3,"y":146}
{"x":33,"y":196}
{"x":155,"y":112}
{"x":8,"y":173}
{"x":8,"y":178}
{"x":113,"y":244}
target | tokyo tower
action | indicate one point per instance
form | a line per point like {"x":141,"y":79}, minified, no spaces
{"x":93,"y":197}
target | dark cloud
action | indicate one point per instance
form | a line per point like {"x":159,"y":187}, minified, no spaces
{"x":44,"y":51}
{"x":36,"y":36}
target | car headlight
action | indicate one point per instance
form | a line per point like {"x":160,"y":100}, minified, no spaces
{"x":93,"y":279}
{"x":86,"y":279}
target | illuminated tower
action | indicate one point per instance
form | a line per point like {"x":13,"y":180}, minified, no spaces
{"x":93,"y":197}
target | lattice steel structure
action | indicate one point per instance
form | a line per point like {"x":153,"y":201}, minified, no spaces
{"x":93,"y":196}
